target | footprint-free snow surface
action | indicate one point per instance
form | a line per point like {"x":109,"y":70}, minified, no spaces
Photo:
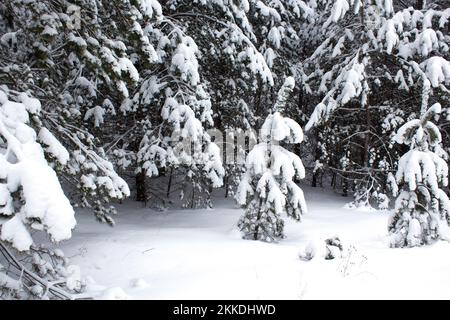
{"x":198,"y":254}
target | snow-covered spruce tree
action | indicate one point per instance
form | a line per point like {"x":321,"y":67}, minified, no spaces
{"x":31,"y":201}
{"x":268,"y":188}
{"x":372,"y":62}
{"x":422,"y":208}
{"x":74,"y":58}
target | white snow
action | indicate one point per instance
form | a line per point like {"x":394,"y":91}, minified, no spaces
{"x":353,"y":83}
{"x":185,"y":61}
{"x":139,"y":283}
{"x":54,"y":147}
{"x":391,"y":35}
{"x":437,"y":70}
{"x":270,"y":56}
{"x":338,"y":11}
{"x":15,"y":232}
{"x":73,"y":280}
{"x":268,"y":11}
{"x":150,"y":7}
{"x":275,"y":37}
{"x":127,"y":66}
{"x":198,"y":254}
{"x":97,"y":114}
{"x":44,"y":201}
{"x":280,"y":128}
{"x":115,"y":293}
{"x":350,"y":81}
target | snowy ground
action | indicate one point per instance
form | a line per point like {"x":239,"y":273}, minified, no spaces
{"x":198,"y":254}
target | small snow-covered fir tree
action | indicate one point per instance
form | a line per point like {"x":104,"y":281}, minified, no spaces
{"x":267,"y":189}
{"x":422,"y":208}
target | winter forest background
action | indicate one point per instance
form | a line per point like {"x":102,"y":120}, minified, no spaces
{"x":182,"y":104}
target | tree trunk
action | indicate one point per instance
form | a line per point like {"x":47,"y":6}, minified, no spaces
{"x":367,"y":137}
{"x":300,"y":100}
{"x":419,"y":4}
{"x":226,"y":184}
{"x":141,"y":190}
{"x":333,"y":180}
{"x":344,"y":185}
{"x":255,"y":234}
{"x":193,"y":196}
{"x":169,"y":183}
{"x":314,"y":180}
{"x":316,"y":172}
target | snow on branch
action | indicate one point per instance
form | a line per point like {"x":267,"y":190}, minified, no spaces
{"x":41,"y":204}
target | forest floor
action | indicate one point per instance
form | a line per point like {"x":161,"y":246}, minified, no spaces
{"x":198,"y":254}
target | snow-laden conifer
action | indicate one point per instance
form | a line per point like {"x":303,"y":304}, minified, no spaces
{"x":31,"y":202}
{"x":268,"y":189}
{"x":422,"y":208}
